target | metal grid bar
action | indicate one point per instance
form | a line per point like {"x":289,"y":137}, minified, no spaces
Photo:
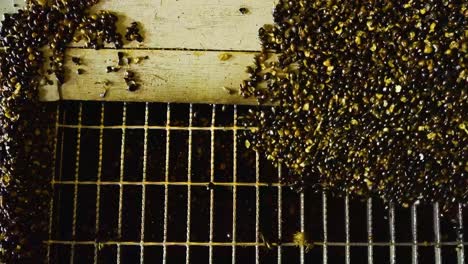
{"x":233,"y":243}
{"x":143,"y":187}
{"x":98,"y":185}
{"x":460,"y":247}
{"x":54,"y":161}
{"x":166,"y":179}
{"x":302,"y":251}
{"x":60,"y":169}
{"x":391,"y":222}
{"x":370,"y":238}
{"x":121,"y":178}
{"x":234,"y":187}
{"x":177,"y":128}
{"x":75,"y":192}
{"x":212,"y":153}
{"x":437,"y":249}
{"x":170,"y":183}
{"x":280,"y":216}
{"x":325,"y":227}
{"x":347,"y":248}
{"x":189,"y":189}
{"x":248,"y":244}
{"x":414,"y":234}
{"x":257,"y":205}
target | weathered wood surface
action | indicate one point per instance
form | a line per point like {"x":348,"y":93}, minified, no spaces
{"x":194,"y":24}
{"x":168,"y":76}
{"x":183,"y":39}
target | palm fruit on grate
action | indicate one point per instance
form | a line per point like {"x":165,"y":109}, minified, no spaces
{"x":372,"y":97}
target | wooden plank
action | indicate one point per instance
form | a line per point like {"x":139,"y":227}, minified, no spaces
{"x":194,"y":24}
{"x":186,"y":24}
{"x":169,"y":28}
{"x":167,"y":76}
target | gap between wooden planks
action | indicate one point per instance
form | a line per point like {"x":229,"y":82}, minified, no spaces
{"x":172,"y":74}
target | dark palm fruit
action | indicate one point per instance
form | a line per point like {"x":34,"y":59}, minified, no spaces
{"x":129,"y":74}
{"x":112,"y":69}
{"x":121,"y":56}
{"x":371,"y":96}
{"x":25,"y":135}
{"x":130,"y":80}
{"x":132,"y":85}
{"x":243,"y":10}
{"x":133,"y":33}
{"x":76,"y":60}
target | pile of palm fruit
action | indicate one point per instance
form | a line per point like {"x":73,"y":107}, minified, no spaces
{"x":371,"y":98}
{"x":26,"y":136}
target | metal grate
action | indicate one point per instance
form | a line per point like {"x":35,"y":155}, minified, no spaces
{"x":170,"y":183}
